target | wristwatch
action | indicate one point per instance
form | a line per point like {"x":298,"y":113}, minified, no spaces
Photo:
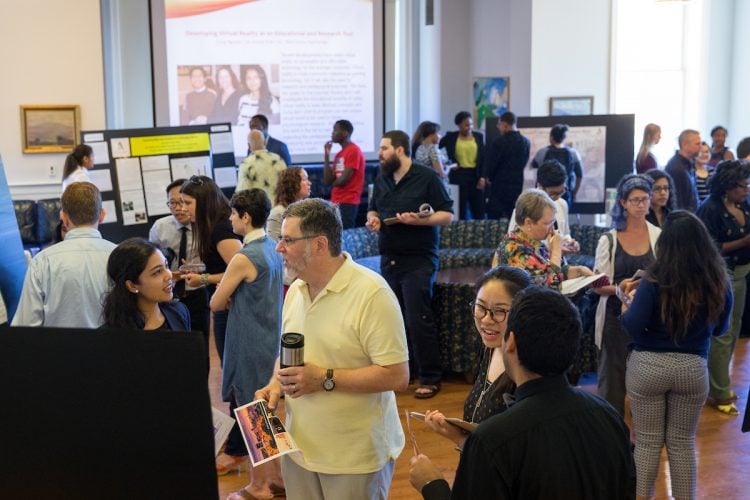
{"x":328,"y":383}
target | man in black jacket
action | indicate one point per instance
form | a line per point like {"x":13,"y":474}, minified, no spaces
{"x":506,"y":160}
{"x":260,"y":122}
{"x":554,"y":441}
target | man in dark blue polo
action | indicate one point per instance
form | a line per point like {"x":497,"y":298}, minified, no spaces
{"x":682,"y":169}
{"x":260,"y":122}
{"x":409,"y":236}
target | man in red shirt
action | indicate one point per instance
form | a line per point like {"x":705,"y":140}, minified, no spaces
{"x":347,"y":174}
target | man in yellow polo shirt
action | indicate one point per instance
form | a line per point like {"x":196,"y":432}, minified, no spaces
{"x":341,"y":408}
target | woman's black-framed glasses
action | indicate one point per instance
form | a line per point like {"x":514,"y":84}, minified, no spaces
{"x":479,"y":312}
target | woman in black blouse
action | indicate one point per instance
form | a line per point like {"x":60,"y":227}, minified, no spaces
{"x":495,"y":292}
{"x":216,"y":244}
{"x":663,"y":196}
{"x":726,"y":214}
{"x":141,"y":293}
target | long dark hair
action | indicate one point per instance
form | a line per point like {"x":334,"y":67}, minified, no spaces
{"x":211,"y":206}
{"x":690,"y":273}
{"x":265,"y":98}
{"x":75,"y":159}
{"x":126,"y":263}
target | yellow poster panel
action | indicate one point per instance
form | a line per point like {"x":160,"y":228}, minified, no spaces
{"x":169,"y":144}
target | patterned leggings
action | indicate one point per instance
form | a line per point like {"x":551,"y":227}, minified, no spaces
{"x":667,"y":391}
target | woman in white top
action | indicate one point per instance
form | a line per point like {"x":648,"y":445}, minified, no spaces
{"x":257,"y":97}
{"x":77,"y":165}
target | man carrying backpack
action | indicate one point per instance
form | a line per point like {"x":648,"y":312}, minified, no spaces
{"x":566,"y":155}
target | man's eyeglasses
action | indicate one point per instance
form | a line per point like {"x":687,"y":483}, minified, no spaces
{"x":174,"y":204}
{"x":479,"y":312}
{"x":196,"y":180}
{"x":287,"y":241}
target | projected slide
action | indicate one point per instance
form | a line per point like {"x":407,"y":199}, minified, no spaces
{"x":304,"y":64}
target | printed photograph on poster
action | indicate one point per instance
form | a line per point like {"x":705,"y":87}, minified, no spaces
{"x":128,"y":174}
{"x":491,"y":97}
{"x":133,"y":207}
{"x":120,"y":147}
{"x":158,"y":162}
{"x":184,"y":168}
{"x":101,"y":152}
{"x":110,"y":211}
{"x":102,"y":179}
{"x":155,"y":183}
{"x":265,"y":436}
{"x":590,"y":142}
{"x":225,"y":177}
{"x":228,"y":93}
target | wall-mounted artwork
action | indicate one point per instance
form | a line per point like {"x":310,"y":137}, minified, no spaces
{"x":568,"y":106}
{"x":50,"y":128}
{"x":491,"y":97}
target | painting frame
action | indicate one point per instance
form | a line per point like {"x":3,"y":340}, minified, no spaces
{"x":50,"y":128}
{"x":571,"y":105}
{"x":490,"y":97}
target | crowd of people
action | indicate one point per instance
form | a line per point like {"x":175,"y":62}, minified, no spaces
{"x":270,"y":260}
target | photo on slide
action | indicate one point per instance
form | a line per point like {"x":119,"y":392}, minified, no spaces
{"x":231,"y":93}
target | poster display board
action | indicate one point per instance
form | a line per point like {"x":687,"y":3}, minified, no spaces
{"x":133,"y":167}
{"x":604,"y":142}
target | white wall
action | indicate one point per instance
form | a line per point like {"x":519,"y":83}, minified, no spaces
{"x":501,"y":46}
{"x":739,"y":101}
{"x":52,"y":54}
{"x":570,"y":50}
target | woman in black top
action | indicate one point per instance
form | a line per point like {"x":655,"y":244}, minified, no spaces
{"x":495,"y":292}
{"x":726,"y":214}
{"x":214,"y":240}
{"x":663,"y":196}
{"x":216,"y":244}
{"x":141,"y":294}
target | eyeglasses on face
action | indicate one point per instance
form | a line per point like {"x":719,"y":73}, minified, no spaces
{"x":287,"y":241}
{"x":742,"y":185}
{"x":174,"y":204}
{"x":639,"y":201}
{"x":479,"y":312}
{"x":196,"y":180}
{"x":661,"y":189}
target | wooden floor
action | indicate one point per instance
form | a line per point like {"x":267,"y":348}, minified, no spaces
{"x":723,"y":451}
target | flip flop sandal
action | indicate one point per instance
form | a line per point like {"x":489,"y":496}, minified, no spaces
{"x":431,"y":391}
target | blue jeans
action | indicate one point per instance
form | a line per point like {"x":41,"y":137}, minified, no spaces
{"x":413,"y":288}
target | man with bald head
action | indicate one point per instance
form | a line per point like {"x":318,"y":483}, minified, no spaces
{"x":261,"y":168}
{"x":682,"y":169}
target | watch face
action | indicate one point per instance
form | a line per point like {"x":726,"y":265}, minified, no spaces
{"x":328,"y":384}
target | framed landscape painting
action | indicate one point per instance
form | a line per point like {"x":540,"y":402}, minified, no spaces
{"x":566,"y":106}
{"x":50,"y":128}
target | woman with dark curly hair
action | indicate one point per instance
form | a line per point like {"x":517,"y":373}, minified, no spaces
{"x":292,"y":186}
{"x":141,"y":293}
{"x":663,"y":196}
{"x":726,"y":214}
{"x":627,"y":248}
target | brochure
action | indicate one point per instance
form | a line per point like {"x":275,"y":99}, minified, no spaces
{"x":265,"y":436}
{"x":461,"y":424}
{"x":571,"y":286}
{"x":222,"y":425}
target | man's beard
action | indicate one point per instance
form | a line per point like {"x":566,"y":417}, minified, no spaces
{"x":390,"y":165}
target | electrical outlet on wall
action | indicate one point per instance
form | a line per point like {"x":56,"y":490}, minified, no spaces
{"x":52,"y":171}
